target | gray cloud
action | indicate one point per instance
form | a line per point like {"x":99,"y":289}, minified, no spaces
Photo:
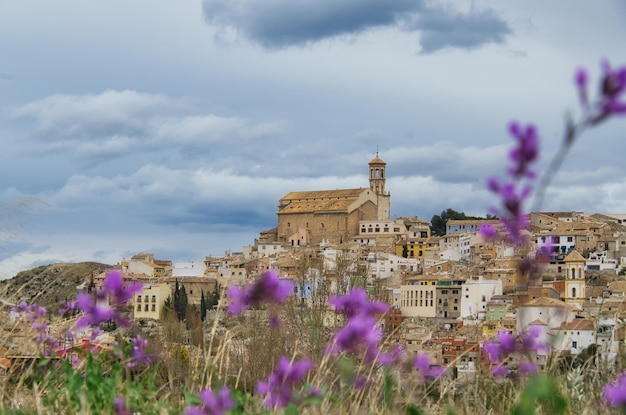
{"x":95,"y":128}
{"x":442,"y":27}
{"x":283,"y":23}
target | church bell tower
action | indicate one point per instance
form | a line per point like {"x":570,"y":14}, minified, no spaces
{"x":377,"y":185}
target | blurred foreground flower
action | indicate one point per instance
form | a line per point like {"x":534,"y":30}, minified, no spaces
{"x":108,"y":303}
{"x":522,"y":349}
{"x":426,"y":369}
{"x":615,"y":392}
{"x":360,"y":335}
{"x":268,"y":288}
{"x":212,"y":403}
{"x":279,"y":388}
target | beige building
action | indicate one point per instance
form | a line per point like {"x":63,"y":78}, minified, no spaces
{"x":149,"y":302}
{"x":310,"y":217}
{"x":418,"y":297}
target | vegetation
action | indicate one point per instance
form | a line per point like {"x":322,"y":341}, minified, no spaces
{"x":438,"y":222}
{"x":276,"y":352}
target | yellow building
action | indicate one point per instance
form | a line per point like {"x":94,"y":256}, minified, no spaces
{"x":149,"y":302}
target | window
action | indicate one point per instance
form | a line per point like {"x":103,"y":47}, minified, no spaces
{"x":153,"y":307}
{"x":322,"y":225}
{"x":145,"y":308}
{"x":138,"y":307}
{"x":146,"y":300}
{"x":154,"y":298}
{"x":138,"y":298}
{"x":574,"y":344}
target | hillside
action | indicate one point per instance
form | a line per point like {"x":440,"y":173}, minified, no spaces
{"x":46,"y":285}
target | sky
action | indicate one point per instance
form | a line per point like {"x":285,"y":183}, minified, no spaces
{"x":175,"y":127}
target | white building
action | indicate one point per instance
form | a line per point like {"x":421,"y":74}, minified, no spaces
{"x":189,"y":269}
{"x":477,"y":292}
{"x":574,"y":337}
{"x":550,"y":311}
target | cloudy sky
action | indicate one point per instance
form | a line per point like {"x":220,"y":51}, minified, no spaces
{"x":175,"y":127}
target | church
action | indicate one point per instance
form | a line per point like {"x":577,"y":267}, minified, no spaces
{"x":310,"y":217}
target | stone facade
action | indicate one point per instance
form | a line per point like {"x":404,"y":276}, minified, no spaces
{"x":311,"y":217}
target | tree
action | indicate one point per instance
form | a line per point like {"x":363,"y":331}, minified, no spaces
{"x":438,"y":222}
{"x":203,"y":306}
{"x":180,"y":301}
{"x":214,"y":299}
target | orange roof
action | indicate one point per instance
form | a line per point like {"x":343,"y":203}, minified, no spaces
{"x":317,"y":206}
{"x":578,"y":324}
{"x":323,"y":194}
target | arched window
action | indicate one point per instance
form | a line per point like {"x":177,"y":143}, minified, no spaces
{"x":573,"y":292}
{"x":580,"y":273}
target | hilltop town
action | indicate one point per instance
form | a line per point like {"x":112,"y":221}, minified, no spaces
{"x":448,"y":294}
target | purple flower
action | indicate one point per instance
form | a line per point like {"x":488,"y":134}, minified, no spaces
{"x":488,"y":231}
{"x":139,"y":357}
{"x":360,"y":335}
{"x":66,"y":307}
{"x":514,"y":192}
{"x":615,"y":392}
{"x":520,"y":348}
{"x":611,"y":94}
{"x":94,"y":313}
{"x":612,"y":88}
{"x":38,"y":317}
{"x":395,"y":356}
{"x":279,"y":387}
{"x":500,"y":371}
{"x":120,"y":406}
{"x":527,"y":367}
{"x":266,"y":289}
{"x":356,"y":302}
{"x":121,"y":293}
{"x":212,"y":403}
{"x":581,"y":79}
{"x":427,"y":370}
{"x":108,"y":302}
{"x":526,"y":151}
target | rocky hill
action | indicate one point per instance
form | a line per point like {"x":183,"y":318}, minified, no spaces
{"x":46,"y":285}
